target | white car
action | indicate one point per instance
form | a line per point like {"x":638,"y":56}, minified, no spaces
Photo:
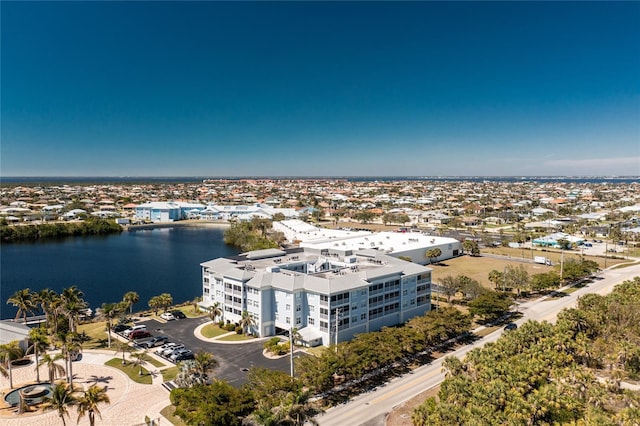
{"x":167,"y":353}
{"x":165,"y":347}
{"x":168,"y":316}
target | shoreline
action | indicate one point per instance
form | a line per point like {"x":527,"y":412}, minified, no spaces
{"x":195,"y":223}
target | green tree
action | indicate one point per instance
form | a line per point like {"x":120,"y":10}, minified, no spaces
{"x":214,"y":311}
{"x":516,"y":277}
{"x":432,"y":254}
{"x":53,"y":367}
{"x":545,"y":281}
{"x":155,"y":303}
{"x":24,"y":301}
{"x":165,"y":301}
{"x":60,"y":400}
{"x":9,"y":352}
{"x":108,"y":312}
{"x":471,"y":247}
{"x":490,"y":305}
{"x":497,"y":278}
{"x":38,"y":343}
{"x":247,"y":322}
{"x":216,"y":404}
{"x":72,"y":306}
{"x":141,"y":358}
{"x":130,"y":298}
{"x":88,"y":403}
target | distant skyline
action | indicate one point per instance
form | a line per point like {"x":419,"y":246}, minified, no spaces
{"x":320,"y":89}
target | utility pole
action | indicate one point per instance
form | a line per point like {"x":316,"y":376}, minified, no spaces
{"x":561,"y":262}
{"x":291,"y":349}
{"x":338,"y":314}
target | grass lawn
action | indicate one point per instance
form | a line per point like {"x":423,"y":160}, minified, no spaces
{"x":212,"y":330}
{"x":155,"y":362}
{"x":168,"y":413}
{"x":235,"y":338}
{"x":169,"y":373}
{"x":552,"y":254}
{"x":98,"y":334}
{"x":131,"y":370}
{"x":478,"y":268}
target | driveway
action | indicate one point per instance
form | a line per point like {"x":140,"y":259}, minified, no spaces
{"x":234,"y":360}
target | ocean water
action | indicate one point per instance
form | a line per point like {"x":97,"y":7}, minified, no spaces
{"x":150,"y":262}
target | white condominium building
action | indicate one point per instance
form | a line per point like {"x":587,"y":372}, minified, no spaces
{"x":328,"y":295}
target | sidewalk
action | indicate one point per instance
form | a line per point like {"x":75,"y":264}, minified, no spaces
{"x":130,"y":401}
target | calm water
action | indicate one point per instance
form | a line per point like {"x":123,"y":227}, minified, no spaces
{"x":149,"y":262}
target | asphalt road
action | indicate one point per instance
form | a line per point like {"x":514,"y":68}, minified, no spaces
{"x":234,"y":360}
{"x":370,"y":409}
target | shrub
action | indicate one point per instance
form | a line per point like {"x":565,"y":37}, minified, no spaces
{"x":239,"y":330}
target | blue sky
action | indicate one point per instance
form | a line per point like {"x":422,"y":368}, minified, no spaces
{"x":320,"y":89}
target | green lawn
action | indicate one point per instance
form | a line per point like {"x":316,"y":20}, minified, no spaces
{"x":212,"y":330}
{"x":235,"y":338}
{"x":168,"y":413}
{"x":155,"y":362}
{"x":169,"y":373}
{"x":131,"y":370}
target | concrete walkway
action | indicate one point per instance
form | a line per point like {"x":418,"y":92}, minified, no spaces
{"x":130,"y":401}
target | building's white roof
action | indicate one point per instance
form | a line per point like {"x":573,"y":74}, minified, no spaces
{"x":389,"y":242}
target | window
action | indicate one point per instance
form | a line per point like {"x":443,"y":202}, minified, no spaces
{"x":363,"y":316}
{"x":288,"y":307}
{"x":354,"y":307}
{"x":312,"y":308}
{"x":324,"y":326}
{"x":298,"y":308}
{"x":298,"y":320}
{"x":311,"y":321}
{"x":288,"y":320}
{"x":354,"y":319}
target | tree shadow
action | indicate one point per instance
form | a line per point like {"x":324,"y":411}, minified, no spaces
{"x":98,"y":379}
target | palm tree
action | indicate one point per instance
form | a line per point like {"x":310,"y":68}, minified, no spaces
{"x":54,"y":368}
{"x":109,"y":311}
{"x":204,"y":362}
{"x":130,"y":298}
{"x":9,"y":352}
{"x":165,"y":301}
{"x":60,"y":400}
{"x":39,"y":343}
{"x":46,"y":298}
{"x":70,"y":344}
{"x":73,"y":305}
{"x":122,"y":347}
{"x":24,"y":300}
{"x":89,"y":401}
{"x":297,"y":409}
{"x":141,"y":359}
{"x":247,"y":321}
{"x":433,"y":254}
{"x":214,"y":311}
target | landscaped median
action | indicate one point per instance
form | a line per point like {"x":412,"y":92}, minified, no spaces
{"x":132,"y":370}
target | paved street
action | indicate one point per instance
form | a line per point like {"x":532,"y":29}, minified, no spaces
{"x":371,"y":408}
{"x":234,"y":359}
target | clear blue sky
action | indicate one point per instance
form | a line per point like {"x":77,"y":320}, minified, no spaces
{"x":320,"y":88}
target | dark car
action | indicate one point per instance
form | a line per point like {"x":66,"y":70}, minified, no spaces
{"x":139,"y":334}
{"x":511,"y":326}
{"x":121,"y":327}
{"x":178,"y":314}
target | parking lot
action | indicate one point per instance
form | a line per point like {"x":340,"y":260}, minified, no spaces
{"x":234,"y":359}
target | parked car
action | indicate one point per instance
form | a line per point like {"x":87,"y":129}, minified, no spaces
{"x":164,"y":347}
{"x":121,"y":327}
{"x":128,"y":331}
{"x":167,"y":353}
{"x":155,"y":341}
{"x":510,"y":326}
{"x":139,"y":334}
{"x":167,"y":316}
{"x":178,"y":314}
{"x":180,"y":355}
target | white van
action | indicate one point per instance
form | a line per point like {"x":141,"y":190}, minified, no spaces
{"x":126,"y":333}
